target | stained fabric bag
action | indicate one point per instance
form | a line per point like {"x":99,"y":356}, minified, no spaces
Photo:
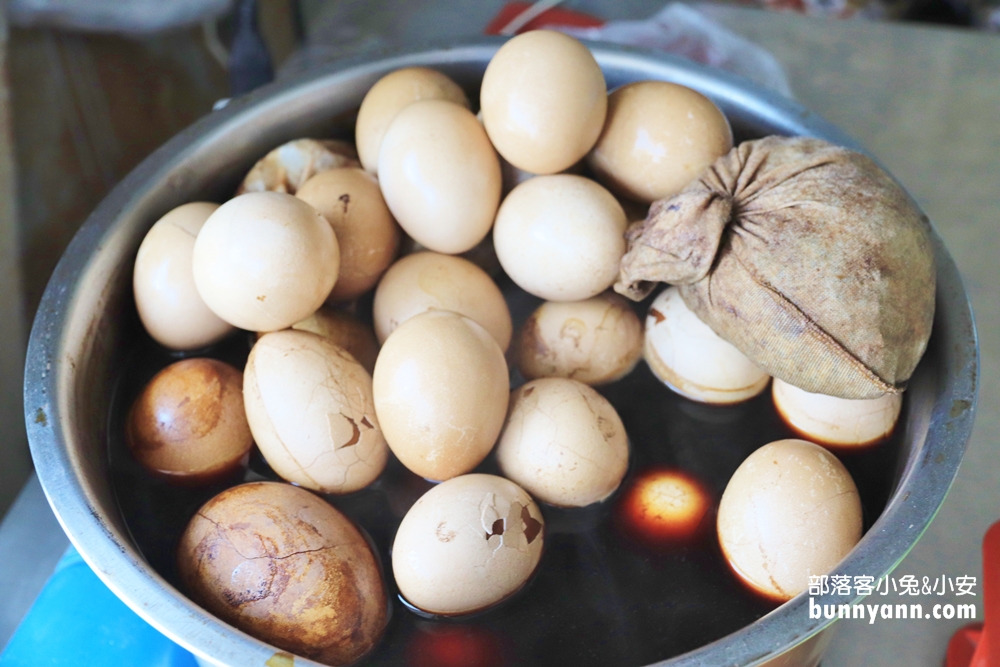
{"x":806,"y":256}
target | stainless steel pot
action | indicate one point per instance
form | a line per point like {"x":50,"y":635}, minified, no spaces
{"x":86,"y":316}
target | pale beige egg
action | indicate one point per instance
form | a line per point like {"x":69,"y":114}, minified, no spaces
{"x":467,"y":544}
{"x":790,"y":511}
{"x":543,"y":101}
{"x":657,"y":138}
{"x":690,"y":358}
{"x":311,"y":411}
{"x":265,"y":260}
{"x":290,"y":165}
{"x":560,"y":237}
{"x":441,"y":390}
{"x":350,"y":199}
{"x":440,"y":175}
{"x":839,"y":422}
{"x":169,"y":305}
{"x":594,"y":341}
{"x":389,"y":96}
{"x":432,"y":281}
{"x":563,"y":442}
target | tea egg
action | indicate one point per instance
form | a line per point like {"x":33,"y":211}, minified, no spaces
{"x":431,"y":281}
{"x":169,"y":305}
{"x":836,"y":421}
{"x":690,"y":358}
{"x":310,"y":408}
{"x":467,"y":544}
{"x":284,"y":566}
{"x":440,"y":175}
{"x":657,"y":138}
{"x":389,"y":96}
{"x":290,"y":165}
{"x":560,"y":237}
{"x":346,"y":332}
{"x":265,"y":260}
{"x":441,"y":392}
{"x":188,"y":425}
{"x":790,"y":510}
{"x":563,"y":443}
{"x":595,"y":341}
{"x":664,"y":507}
{"x":351,"y":201}
{"x":543,"y":101}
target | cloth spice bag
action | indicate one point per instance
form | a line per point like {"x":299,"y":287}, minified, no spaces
{"x":804,"y":255}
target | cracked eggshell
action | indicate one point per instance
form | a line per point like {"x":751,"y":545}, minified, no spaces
{"x":790,"y":510}
{"x":169,"y":305}
{"x":345,"y":331}
{"x":467,"y":544}
{"x":563,"y":442}
{"x":560,"y":237}
{"x":188,"y":425}
{"x":543,"y":101}
{"x":690,"y":358}
{"x":431,"y":281}
{"x":440,"y":175}
{"x":290,"y":165}
{"x":441,"y":390}
{"x":657,"y":138}
{"x":595,"y":341}
{"x":264,"y":261}
{"x":284,"y":566}
{"x":390,"y":95}
{"x":838,"y":422}
{"x":310,"y":408}
{"x":351,"y":201}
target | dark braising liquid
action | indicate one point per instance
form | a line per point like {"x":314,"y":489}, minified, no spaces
{"x":597,"y":597}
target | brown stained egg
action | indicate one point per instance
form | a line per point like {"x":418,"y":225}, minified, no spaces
{"x":440,"y":175}
{"x":595,"y":341}
{"x":350,"y":199}
{"x":790,"y":510}
{"x":290,"y":165}
{"x":264,"y":261}
{"x":544,"y":101}
{"x":467,"y":544}
{"x":188,"y":425}
{"x":283,"y":566}
{"x":432,"y":281}
{"x":563,"y":442}
{"x":657,"y":138}
{"x":690,"y":358}
{"x":389,"y":96}
{"x":837,"y":422}
{"x":310,"y":407}
{"x":345,"y":331}
{"x":560,"y":237}
{"x":441,"y":393}
{"x":663,"y":508}
{"x":169,"y":305}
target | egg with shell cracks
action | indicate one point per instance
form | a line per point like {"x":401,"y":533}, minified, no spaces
{"x":441,"y":389}
{"x":309,"y":404}
{"x":169,"y":305}
{"x":543,"y":100}
{"x":560,"y":237}
{"x":791,"y":510}
{"x":837,"y":422}
{"x":188,"y":425}
{"x":467,"y":544}
{"x":690,"y":358}
{"x":563,"y":442}
{"x":431,"y":281}
{"x":284,"y":566}
{"x":440,"y":175}
{"x":265,"y":260}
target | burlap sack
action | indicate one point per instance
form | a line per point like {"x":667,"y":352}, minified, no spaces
{"x":804,"y":255}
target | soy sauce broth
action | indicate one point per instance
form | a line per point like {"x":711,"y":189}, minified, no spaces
{"x":598,"y":597}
